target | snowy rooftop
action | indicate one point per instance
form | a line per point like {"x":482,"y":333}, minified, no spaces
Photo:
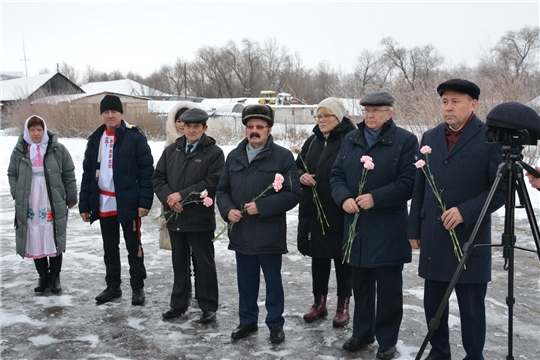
{"x":124,"y":87}
{"x":21,"y":88}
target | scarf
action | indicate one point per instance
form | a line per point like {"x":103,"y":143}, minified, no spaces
{"x":36,"y":151}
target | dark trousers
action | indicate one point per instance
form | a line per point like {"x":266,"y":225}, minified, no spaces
{"x":248,"y":269}
{"x":110,"y":231}
{"x":320,"y":273}
{"x":200,"y":245}
{"x":382,"y":321}
{"x":472,"y":312}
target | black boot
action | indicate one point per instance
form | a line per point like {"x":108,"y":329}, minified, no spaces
{"x":56,"y":267}
{"x":42,"y":267}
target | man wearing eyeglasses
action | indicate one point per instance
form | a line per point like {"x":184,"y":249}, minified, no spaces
{"x":380,"y":247}
{"x":259,"y":233}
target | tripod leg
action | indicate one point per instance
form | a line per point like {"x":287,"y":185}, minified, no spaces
{"x":467,"y":250}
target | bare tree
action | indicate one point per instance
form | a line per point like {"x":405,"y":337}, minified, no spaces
{"x":219,"y":69}
{"x":415,"y":65}
{"x":70,"y":72}
{"x":276,"y":60}
{"x":245,"y":62}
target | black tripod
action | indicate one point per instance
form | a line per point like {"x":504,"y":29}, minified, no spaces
{"x":512,"y":170}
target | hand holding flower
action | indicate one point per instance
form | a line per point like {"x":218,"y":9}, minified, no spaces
{"x":235,"y":215}
{"x":308,"y":179}
{"x":251,"y":208}
{"x":365,"y":201}
{"x":451,"y":218}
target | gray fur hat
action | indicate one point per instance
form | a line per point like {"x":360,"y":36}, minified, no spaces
{"x":334,"y":105}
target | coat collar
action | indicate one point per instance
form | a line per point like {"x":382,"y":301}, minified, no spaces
{"x":468,"y":133}
{"x":387,"y":136}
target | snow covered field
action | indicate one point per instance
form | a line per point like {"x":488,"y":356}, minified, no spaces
{"x":72,"y":326}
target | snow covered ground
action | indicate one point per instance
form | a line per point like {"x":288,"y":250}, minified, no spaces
{"x":72,"y":326}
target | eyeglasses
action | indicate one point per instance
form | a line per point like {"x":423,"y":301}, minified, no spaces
{"x":258,"y":127}
{"x":325,"y":117}
{"x":367,"y":112}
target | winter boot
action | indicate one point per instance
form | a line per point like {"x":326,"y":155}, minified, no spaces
{"x":42,"y":267}
{"x":342,"y":313}
{"x":318,"y":309}
{"x":55,"y":267}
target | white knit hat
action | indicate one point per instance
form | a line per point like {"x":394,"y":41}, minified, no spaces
{"x":334,"y":105}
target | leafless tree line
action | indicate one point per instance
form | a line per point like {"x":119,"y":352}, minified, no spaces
{"x":508,"y":71}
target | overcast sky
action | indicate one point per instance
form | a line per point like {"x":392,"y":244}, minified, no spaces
{"x":142,"y":36}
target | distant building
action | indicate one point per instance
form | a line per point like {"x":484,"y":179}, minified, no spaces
{"x":35,"y":87}
{"x":125,"y":87}
{"x":8,"y":75}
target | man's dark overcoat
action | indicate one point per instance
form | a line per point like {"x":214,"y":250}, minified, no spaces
{"x":241,"y":181}
{"x":464,"y":176}
{"x":381,"y":238}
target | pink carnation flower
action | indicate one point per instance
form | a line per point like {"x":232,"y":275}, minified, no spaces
{"x":296,"y":149}
{"x":420,"y":164}
{"x":208,"y":201}
{"x":204,"y":194}
{"x":425,"y":150}
{"x":278,"y":182}
{"x":366,"y":158}
{"x":369,"y":165}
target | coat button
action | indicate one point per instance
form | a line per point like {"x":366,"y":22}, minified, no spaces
{"x":446,"y":162}
{"x":438,"y":218}
{"x":441,"y":189}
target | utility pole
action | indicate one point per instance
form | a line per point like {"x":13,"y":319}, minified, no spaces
{"x":25,"y":59}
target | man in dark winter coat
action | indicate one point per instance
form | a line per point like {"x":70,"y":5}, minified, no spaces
{"x":188,"y":167}
{"x":321,"y":237}
{"x":116,"y":188}
{"x":259,"y":234}
{"x":380,"y":247}
{"x":464,"y":167}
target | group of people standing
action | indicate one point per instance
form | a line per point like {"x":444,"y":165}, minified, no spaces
{"x":255,"y":186}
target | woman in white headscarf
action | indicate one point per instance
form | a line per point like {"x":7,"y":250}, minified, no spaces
{"x":42,"y":183}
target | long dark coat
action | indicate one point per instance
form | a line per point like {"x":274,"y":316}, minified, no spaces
{"x":464,"y":175}
{"x":61,"y":188}
{"x":319,"y":154}
{"x":241,"y":181}
{"x":197,"y":171}
{"x":133,"y":168}
{"x":381,"y":238}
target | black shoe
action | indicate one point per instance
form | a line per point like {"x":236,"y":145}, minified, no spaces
{"x":434,"y":358}
{"x":137,"y":298}
{"x":386,"y":352}
{"x":208,"y":317}
{"x":243,"y":330}
{"x":43,"y":283}
{"x":277,"y":335}
{"x":108,"y":294}
{"x":353,"y":344}
{"x":172,"y":313}
{"x":56,"y":287}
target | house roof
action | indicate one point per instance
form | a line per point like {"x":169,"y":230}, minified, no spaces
{"x":8,"y":75}
{"x":22,"y":88}
{"x":124,"y":86}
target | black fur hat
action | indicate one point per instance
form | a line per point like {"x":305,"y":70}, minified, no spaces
{"x":514,"y":115}
{"x":111,"y":102}
{"x":263,"y":112}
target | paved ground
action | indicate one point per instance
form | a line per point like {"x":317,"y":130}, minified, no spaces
{"x":72,"y":326}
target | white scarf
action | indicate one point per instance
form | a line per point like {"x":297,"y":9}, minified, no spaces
{"x":33,"y":147}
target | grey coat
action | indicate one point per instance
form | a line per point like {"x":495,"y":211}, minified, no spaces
{"x":61,"y":188}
